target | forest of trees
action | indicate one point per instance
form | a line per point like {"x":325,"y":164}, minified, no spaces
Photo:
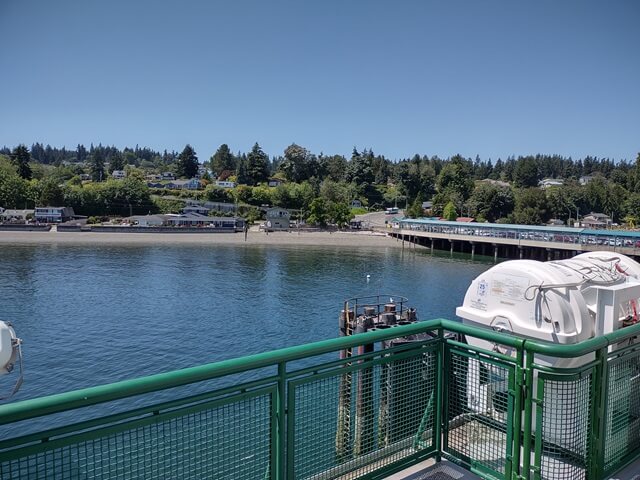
{"x":322,"y":185}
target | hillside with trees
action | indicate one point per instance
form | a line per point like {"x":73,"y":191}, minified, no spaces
{"x":323,"y":187}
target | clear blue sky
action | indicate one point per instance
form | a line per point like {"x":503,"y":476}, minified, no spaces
{"x":493,"y":78}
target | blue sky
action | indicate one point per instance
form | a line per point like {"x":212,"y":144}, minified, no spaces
{"x":493,"y":78}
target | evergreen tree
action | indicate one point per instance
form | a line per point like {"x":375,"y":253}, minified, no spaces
{"x":96,"y":164}
{"x":257,"y":165}
{"x":20,"y":157}
{"x":187,"y":163}
{"x":525,"y":172}
{"x":450,"y":212}
{"x":359,"y":170}
{"x":241,"y":170}
{"x":223,"y":160}
{"x":116,"y":162}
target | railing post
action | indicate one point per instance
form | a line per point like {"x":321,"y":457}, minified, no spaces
{"x":439,"y":395}
{"x":598,"y":413}
{"x":516,"y":426}
{"x":525,"y":473}
{"x":280,"y":467}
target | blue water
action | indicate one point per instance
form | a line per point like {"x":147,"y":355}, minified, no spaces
{"x":93,"y":315}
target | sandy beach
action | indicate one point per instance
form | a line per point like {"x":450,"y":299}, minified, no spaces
{"x":254,"y":237}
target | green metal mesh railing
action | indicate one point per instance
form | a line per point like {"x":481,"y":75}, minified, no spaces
{"x":388,"y":416}
{"x":479,"y":410}
{"x":563,"y":425}
{"x":395,"y":400}
{"x":223,"y":438}
{"x":623,"y":409}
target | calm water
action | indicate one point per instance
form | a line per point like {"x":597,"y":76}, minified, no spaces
{"x":96,"y":315}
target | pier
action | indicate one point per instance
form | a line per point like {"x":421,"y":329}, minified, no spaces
{"x":513,"y":241}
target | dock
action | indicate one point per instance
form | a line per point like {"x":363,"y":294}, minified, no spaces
{"x":512,"y":241}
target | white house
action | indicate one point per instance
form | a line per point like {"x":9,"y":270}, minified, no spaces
{"x":119,"y":174}
{"x":551,"y":182}
{"x":225,"y":184}
{"x":585,"y":179}
{"x":14,"y":216}
{"x":168,"y":176}
{"x":53,"y":214}
{"x":277,"y":219}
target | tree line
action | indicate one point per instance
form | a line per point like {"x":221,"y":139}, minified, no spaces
{"x":504,"y":190}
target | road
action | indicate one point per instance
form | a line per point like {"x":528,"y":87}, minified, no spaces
{"x":377,"y":219}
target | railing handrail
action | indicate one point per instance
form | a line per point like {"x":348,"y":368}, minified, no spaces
{"x":56,"y":403}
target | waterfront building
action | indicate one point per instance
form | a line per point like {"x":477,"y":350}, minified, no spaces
{"x":53,"y":214}
{"x":277,"y":219}
{"x":596,"y":221}
{"x":15,"y":216}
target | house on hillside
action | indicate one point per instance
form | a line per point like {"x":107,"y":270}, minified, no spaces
{"x":225,"y":184}
{"x":119,"y":174}
{"x":53,"y":214}
{"x":585,"y":179}
{"x":596,"y":221}
{"x":274,"y":182}
{"x":191,"y":184}
{"x":427,"y":207}
{"x":202,"y":170}
{"x":199,"y":209}
{"x":277,"y":219}
{"x":168,"y":176}
{"x":356,"y":203}
{"x":550,"y":182}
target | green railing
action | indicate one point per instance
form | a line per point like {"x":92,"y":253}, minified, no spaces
{"x":301,"y":413}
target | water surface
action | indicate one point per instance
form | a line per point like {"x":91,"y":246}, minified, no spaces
{"x":93,"y":315}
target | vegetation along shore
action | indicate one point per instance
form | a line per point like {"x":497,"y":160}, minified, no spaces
{"x":103,"y":182}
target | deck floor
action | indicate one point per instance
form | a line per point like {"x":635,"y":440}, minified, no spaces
{"x":431,"y":470}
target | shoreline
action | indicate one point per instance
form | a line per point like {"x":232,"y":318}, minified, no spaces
{"x":347,"y":239}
